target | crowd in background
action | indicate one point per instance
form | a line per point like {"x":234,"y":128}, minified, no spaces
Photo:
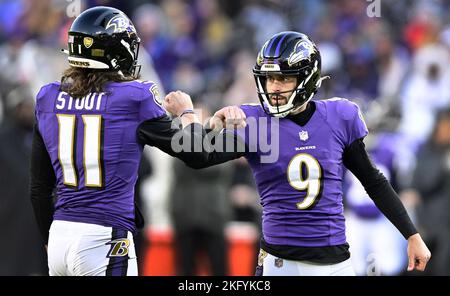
{"x":396,"y":66}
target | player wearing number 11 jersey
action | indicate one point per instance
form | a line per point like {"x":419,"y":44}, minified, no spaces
{"x":89,"y":134}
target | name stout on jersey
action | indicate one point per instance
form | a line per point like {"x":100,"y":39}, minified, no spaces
{"x":88,"y":102}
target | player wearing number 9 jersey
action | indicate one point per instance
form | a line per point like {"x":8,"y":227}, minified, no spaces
{"x":301,"y":191}
{"x":303,"y":203}
{"x":88,"y":139}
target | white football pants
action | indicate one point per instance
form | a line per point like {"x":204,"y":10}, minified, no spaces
{"x":81,"y":249}
{"x":273,"y":266}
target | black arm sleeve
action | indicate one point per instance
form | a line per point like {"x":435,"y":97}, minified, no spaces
{"x":43,"y":181}
{"x":378,"y":187}
{"x":194,"y":145}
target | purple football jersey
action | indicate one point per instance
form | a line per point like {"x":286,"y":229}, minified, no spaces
{"x":92,"y":143}
{"x":301,"y":192}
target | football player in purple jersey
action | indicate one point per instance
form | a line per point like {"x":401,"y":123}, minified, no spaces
{"x":301,"y":187}
{"x":88,"y":139}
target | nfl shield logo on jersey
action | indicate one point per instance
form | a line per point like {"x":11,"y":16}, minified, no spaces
{"x":303,"y":135}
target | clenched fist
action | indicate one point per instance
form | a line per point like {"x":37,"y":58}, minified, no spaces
{"x":418,"y":253}
{"x":230,"y":117}
{"x":177,"y":102}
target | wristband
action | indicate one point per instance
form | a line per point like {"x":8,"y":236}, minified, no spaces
{"x":187,"y":111}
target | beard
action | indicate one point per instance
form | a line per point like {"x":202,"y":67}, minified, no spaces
{"x":277,"y":99}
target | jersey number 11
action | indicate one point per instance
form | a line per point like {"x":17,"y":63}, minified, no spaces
{"x":92,"y":149}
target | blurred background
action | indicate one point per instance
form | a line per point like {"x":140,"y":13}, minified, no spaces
{"x":391,"y":57}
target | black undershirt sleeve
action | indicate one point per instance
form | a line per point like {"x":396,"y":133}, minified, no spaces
{"x":223,"y":146}
{"x":42,"y":183}
{"x":194,"y":145}
{"x":378,"y":187}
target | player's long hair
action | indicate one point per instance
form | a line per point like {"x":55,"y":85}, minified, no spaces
{"x":78,"y":82}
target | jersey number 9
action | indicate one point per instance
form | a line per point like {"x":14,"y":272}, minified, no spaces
{"x":304,"y":173}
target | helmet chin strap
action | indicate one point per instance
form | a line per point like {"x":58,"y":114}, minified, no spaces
{"x":318,"y":84}
{"x":298,"y":108}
